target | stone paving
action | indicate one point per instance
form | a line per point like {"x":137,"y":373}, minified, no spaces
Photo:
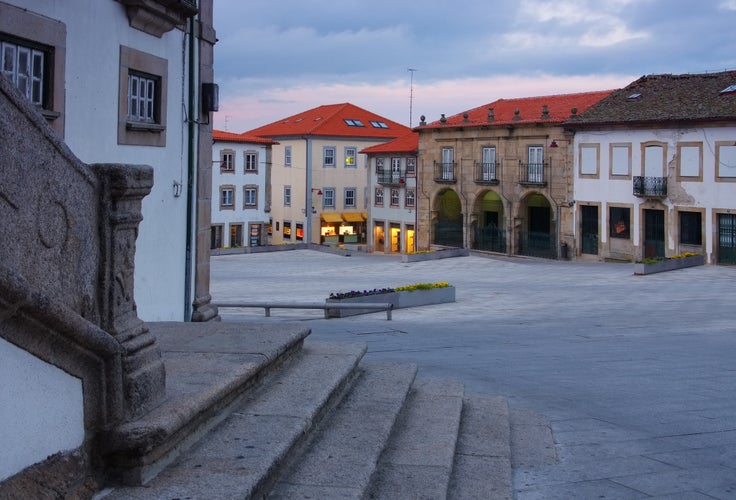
{"x":635,"y":374}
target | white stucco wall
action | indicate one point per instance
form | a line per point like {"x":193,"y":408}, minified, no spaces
{"x":239,"y":179}
{"x":41,"y":410}
{"x":95,"y":32}
{"x":707,"y":194}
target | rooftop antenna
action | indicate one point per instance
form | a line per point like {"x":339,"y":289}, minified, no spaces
{"x":227,"y":118}
{"x":411,"y":93}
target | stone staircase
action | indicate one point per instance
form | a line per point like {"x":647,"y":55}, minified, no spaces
{"x":260,"y":411}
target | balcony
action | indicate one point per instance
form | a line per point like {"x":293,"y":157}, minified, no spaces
{"x":445,"y":172}
{"x":487,"y":173}
{"x":391,"y":178}
{"x":533,"y":174}
{"x":650,"y":187}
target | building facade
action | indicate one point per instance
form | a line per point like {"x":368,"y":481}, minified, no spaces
{"x":655,"y":170}
{"x":319,"y":178}
{"x":123,"y":84}
{"x":392,"y":215}
{"x":498,"y":178}
{"x":241,"y":184}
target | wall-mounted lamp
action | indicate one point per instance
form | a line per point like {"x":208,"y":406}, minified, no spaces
{"x":319,"y":191}
{"x":553,"y":144}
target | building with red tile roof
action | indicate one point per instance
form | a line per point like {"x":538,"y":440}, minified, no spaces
{"x":393,"y":187}
{"x":319,"y":174}
{"x":498,"y":177}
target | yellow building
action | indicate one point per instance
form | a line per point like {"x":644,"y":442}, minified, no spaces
{"x":319,"y":179}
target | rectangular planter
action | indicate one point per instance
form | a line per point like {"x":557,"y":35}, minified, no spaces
{"x":399,"y":300}
{"x":668,"y":265}
{"x":437,"y":254}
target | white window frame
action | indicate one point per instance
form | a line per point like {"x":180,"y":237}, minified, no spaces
{"x":378,"y":197}
{"x":227,"y":161}
{"x":328,"y":156}
{"x":142,"y":98}
{"x":395,"y":197}
{"x":227,"y":197}
{"x":287,"y":196}
{"x":287,"y":156}
{"x":24,"y":67}
{"x":411,"y":166}
{"x":250,"y":196}
{"x":250,"y":161}
{"x":351,"y":157}
{"x":350,"y":197}
{"x":410,"y":199}
{"x":328,"y":197}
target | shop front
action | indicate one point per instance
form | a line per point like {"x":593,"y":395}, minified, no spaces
{"x":337,"y":229}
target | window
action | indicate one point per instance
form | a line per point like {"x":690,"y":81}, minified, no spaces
{"x":328,"y":156}
{"x":142,"y":98}
{"x":689,"y":161}
{"x":299,"y":231}
{"x":352,"y":122}
{"x":269,"y":228}
{"x":619,"y":222}
{"x":589,"y":158}
{"x":377,"y":124}
{"x":411,"y":166}
{"x":251,"y":162}
{"x":216,"y":236}
{"x":691,"y":232}
{"x":621,"y":160}
{"x":33,"y":58}
{"x":448,"y":164}
{"x":328,"y":198}
{"x":250,"y":196}
{"x":654,"y":155}
{"x":227,"y":161}
{"x":25,"y":67}
{"x":236,"y":235}
{"x":287,"y":230}
{"x":378,"y":199}
{"x":287,"y":196}
{"x":726,"y":161}
{"x":488,"y":167}
{"x":227,"y":198}
{"x":287,"y":156}
{"x":394,"y":197}
{"x":379,"y":165}
{"x":351,"y":157}
{"x":410,"y":200}
{"x":349,"y":197}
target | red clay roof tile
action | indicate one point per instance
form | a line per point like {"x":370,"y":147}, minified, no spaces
{"x":329,"y":120}
{"x":530,"y":110}
{"x":222,"y":136}
{"x":408,"y":143}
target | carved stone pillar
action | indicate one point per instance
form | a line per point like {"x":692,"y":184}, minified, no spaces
{"x":122,"y":190}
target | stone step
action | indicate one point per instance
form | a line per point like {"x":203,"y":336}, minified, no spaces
{"x":342,"y":457}
{"x":242,"y":455}
{"x":482,"y":465}
{"x":209,"y":366}
{"x":418,"y":459}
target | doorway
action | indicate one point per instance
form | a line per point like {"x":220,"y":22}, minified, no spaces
{"x":653,"y":233}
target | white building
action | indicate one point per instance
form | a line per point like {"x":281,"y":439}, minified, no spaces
{"x":114,"y":79}
{"x":655,"y":170}
{"x":241,"y":190}
{"x":393,"y":187}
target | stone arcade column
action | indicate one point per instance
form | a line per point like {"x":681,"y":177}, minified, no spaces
{"x":122,"y":190}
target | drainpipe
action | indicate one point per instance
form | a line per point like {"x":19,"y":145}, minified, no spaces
{"x":308,"y":193}
{"x":191,"y":173}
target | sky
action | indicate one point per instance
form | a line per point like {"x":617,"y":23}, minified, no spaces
{"x":277,"y":58}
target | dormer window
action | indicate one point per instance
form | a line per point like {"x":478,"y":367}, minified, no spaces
{"x":731,"y":89}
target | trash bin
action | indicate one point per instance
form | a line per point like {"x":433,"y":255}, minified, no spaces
{"x":563,"y":251}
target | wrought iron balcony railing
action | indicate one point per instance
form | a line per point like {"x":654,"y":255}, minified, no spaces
{"x":445,"y":172}
{"x":389,"y":178}
{"x":533,"y":174}
{"x":650,"y":187}
{"x":486,"y":173}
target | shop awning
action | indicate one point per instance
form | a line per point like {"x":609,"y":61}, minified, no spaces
{"x":354,"y":216}
{"x":331,"y":217}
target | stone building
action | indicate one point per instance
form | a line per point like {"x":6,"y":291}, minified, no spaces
{"x":498,"y":177}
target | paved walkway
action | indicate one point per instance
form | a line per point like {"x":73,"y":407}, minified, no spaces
{"x":635,"y":374}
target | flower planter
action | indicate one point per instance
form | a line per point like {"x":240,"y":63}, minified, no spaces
{"x":399,"y":300}
{"x":668,"y":265}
